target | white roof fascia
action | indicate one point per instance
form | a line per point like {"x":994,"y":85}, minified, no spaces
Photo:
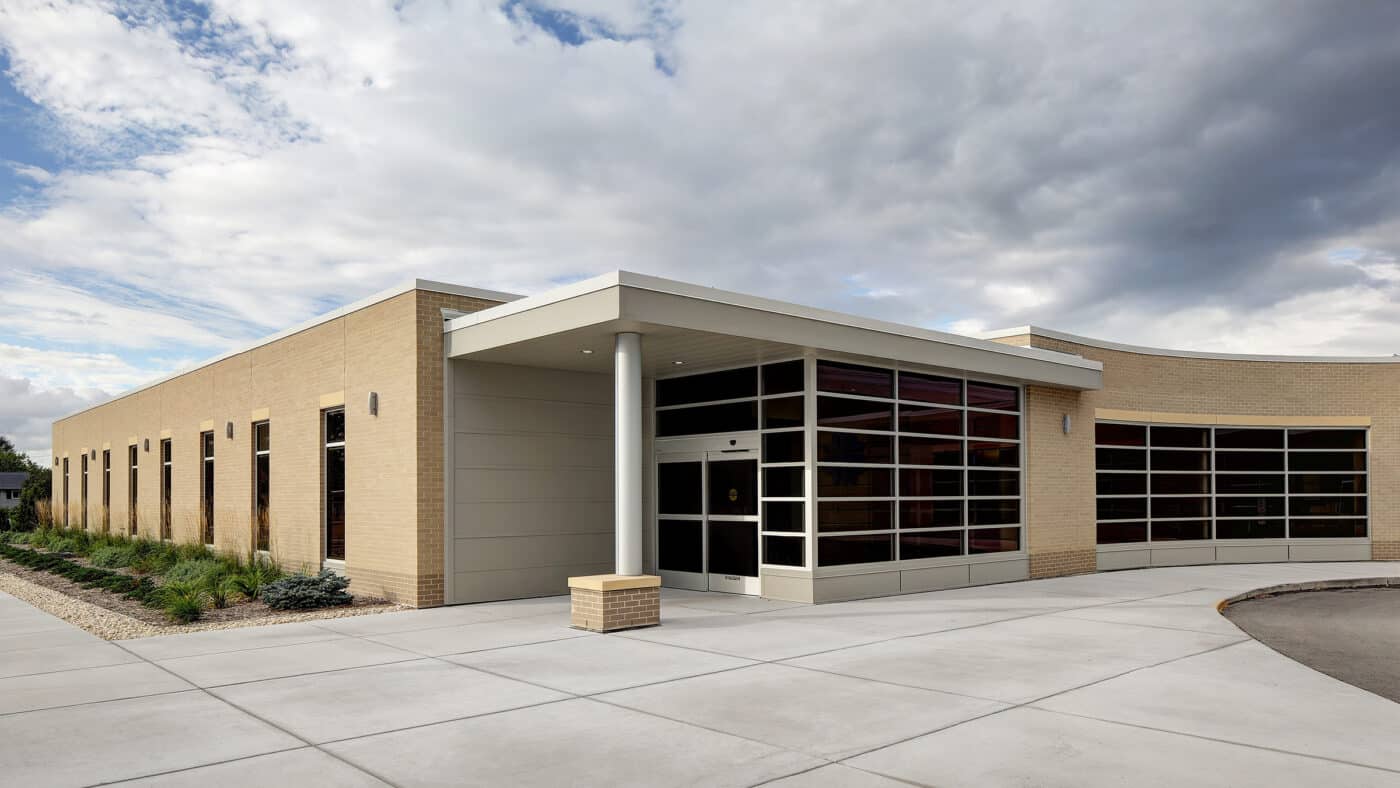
{"x":657,"y":284}
{"x":383,"y":295}
{"x":1064,"y":336}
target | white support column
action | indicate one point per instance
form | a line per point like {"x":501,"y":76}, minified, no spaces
{"x":627,"y":452}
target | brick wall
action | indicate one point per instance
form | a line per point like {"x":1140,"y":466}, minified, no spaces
{"x":393,"y":460}
{"x":1175,"y":384}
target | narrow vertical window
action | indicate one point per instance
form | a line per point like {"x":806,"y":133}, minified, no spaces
{"x":165,"y":474}
{"x":206,"y":493}
{"x":262,"y":456}
{"x":131,"y":489}
{"x":335,"y":484}
{"x":82,"y":484}
{"x":65,"y":492}
{"x":106,"y":490}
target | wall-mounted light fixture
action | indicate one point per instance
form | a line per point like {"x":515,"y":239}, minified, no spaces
{"x":586,"y":352}
{"x":374,"y":403}
{"x":94,"y":454}
{"x":228,"y":430}
{"x":677,"y":363}
{"x":1067,"y":423}
{"x":146,"y":444}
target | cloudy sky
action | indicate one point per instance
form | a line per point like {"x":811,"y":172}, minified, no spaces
{"x":177,"y":178}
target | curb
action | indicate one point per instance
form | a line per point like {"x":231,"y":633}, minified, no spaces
{"x":1314,"y":585}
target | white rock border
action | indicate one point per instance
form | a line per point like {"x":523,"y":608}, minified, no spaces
{"x":111,"y":625}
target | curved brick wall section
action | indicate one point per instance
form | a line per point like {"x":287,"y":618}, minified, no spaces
{"x":1060,"y":490}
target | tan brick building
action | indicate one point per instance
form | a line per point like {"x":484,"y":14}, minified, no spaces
{"x":441,"y":444}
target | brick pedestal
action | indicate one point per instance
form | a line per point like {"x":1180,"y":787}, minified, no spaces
{"x":605,"y":603}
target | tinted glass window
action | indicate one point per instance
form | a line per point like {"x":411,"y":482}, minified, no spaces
{"x":854,"y":516}
{"x":335,"y":426}
{"x":1326,"y":439}
{"x":1121,"y":484}
{"x":1248,"y":461}
{"x":783,"y":412}
{"x":782,"y":482}
{"x":1249,"y":529}
{"x":784,"y":447}
{"x":930,"y":388}
{"x":1316,"y":506}
{"x":993,"y":483}
{"x":1249,"y":507}
{"x":1180,"y":483}
{"x":1180,"y":530}
{"x":783,"y":377}
{"x":853,"y":379}
{"x":854,"y":549}
{"x":783,"y":516}
{"x":918,"y":482}
{"x":1006,"y":455}
{"x":993,"y":540}
{"x":262,"y":437}
{"x":711,"y":386}
{"x":1326,"y":529}
{"x":938,"y":421}
{"x":1180,"y":507}
{"x":730,"y":417}
{"x":733,"y":548}
{"x":732,"y":489}
{"x":854,"y":414}
{"x":678,"y":487}
{"x":680,"y":546}
{"x":1331,"y":483}
{"x":1168,"y":460}
{"x":1327,"y":461}
{"x":930,"y":545}
{"x":1122,"y":508}
{"x":1227,"y":483}
{"x":855,"y":447}
{"x":930,"y":514}
{"x":1188,"y":437}
{"x":990,"y":395}
{"x":930,"y":451}
{"x":1120,"y":434}
{"x":1121,"y":459}
{"x":1248,"y":439}
{"x":993,"y":512}
{"x":784,"y":550}
{"x":1122,"y":533}
{"x":834,"y":482}
{"x":993,"y":425}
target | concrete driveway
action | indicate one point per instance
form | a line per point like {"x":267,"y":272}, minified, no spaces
{"x":1126,"y":678}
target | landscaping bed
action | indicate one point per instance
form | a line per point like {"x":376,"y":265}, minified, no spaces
{"x":174,"y":588}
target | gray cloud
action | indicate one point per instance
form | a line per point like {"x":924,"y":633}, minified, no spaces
{"x":1184,"y":174}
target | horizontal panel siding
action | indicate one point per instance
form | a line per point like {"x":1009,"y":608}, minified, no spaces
{"x":532,"y":480}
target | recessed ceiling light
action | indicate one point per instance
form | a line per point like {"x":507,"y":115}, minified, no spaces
{"x":587,"y":352}
{"x":678,"y":363}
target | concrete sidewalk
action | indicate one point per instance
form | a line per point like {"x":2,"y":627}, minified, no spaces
{"x":1125,"y":678}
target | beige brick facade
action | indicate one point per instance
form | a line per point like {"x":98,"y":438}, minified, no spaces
{"x":393,"y":460}
{"x":608,"y":611}
{"x":1060,"y":495}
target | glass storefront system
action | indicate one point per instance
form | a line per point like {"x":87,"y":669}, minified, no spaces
{"x":858,"y":464}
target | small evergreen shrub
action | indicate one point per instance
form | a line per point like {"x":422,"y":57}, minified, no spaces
{"x":112,"y":556}
{"x":307,"y":592}
{"x":183,"y":601}
{"x":193,"y":571}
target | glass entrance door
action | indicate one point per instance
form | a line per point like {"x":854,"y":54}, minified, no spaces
{"x":707,"y":524}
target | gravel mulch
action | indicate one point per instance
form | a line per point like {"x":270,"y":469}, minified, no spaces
{"x":114,"y":617}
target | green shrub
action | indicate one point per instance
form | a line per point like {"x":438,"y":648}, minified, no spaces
{"x":305,"y":592}
{"x":194,"y":552}
{"x":183,"y":601}
{"x":255,"y":574}
{"x":66,"y":545}
{"x":112,"y":555}
{"x":193,"y":571}
{"x":222,"y":589}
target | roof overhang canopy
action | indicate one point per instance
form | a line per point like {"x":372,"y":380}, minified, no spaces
{"x":705,"y":328}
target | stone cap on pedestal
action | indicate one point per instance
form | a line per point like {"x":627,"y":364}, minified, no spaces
{"x":614,"y":582}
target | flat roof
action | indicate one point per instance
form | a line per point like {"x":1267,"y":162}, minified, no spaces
{"x":1050,"y":333}
{"x":552,"y":327}
{"x":355,"y":306}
